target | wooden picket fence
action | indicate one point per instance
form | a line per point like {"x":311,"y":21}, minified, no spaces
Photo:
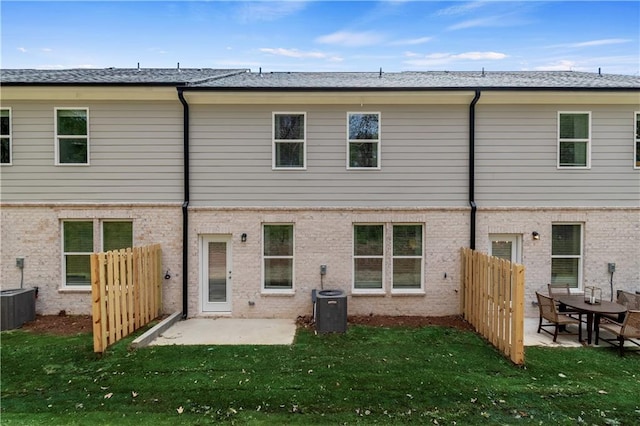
{"x":126,"y":292}
{"x":493,"y":301}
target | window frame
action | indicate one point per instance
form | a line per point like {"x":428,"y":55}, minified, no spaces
{"x":636,"y":132}
{"x":377,"y":142}
{"x":586,"y":141}
{"x":580,"y":257}
{"x":58,"y":137}
{"x":65,"y":284}
{"x":364,"y":290}
{"x":8,"y":136}
{"x":263,"y":288}
{"x":275,"y":141}
{"x":420,"y":289}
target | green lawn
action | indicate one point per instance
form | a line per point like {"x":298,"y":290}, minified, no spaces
{"x":432,"y":375}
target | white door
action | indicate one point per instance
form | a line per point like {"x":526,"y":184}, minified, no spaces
{"x":216,"y":273}
{"x":506,"y":246}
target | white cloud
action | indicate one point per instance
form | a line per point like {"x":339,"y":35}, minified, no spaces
{"x":295,"y":53}
{"x":563,"y":65}
{"x":481,"y":22}
{"x":46,"y":50}
{"x":461,"y":9}
{"x":411,"y":42}
{"x":602,"y":42}
{"x":269,"y":10}
{"x":447,"y":58}
{"x":351,"y":39}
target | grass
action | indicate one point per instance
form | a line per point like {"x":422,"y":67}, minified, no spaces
{"x":431,"y":375}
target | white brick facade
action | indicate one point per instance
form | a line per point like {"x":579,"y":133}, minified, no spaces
{"x":322,"y":237}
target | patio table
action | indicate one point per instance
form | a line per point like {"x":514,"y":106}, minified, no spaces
{"x":593,"y":311}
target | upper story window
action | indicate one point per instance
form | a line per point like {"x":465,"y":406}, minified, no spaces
{"x":637,"y":144}
{"x":278,"y":256}
{"x":363,"y":140}
{"x":289,"y":135}
{"x":574,"y":136}
{"x":72,"y":135}
{"x":5,"y":136}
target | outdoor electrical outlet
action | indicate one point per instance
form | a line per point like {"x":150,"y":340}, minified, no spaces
{"x":612,"y":267}
{"x":323,"y":269}
{"x":20,"y":262}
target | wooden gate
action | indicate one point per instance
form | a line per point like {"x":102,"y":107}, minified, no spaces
{"x":493,"y":301}
{"x":125,"y":292}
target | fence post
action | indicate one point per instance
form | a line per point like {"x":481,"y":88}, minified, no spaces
{"x":517,"y":332}
{"x":96,"y":301}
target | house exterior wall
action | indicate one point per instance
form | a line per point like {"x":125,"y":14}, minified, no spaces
{"x":610,"y":235}
{"x":424,"y":157}
{"x":324,"y":236}
{"x":33,"y":232}
{"x":516,"y":157}
{"x":135,"y":154}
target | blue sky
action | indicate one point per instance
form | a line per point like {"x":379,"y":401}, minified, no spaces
{"x":395,"y":35}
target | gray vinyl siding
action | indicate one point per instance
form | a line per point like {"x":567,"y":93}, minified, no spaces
{"x":135,"y":154}
{"x":516,"y":158}
{"x":424,"y":158}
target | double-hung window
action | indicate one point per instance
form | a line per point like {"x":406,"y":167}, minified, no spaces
{"x":566,"y":254}
{"x":289,"y":135}
{"x":574,"y":136}
{"x":636,"y":163}
{"x":368,"y":257}
{"x":116,"y":235}
{"x":72,"y":135}
{"x":407,"y":257}
{"x":79,"y":241}
{"x":77,"y":248}
{"x":5,"y":136}
{"x":277,"y":256}
{"x":363,"y":140}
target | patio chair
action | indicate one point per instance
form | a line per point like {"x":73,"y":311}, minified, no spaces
{"x":626,"y":331}
{"x":554,"y":318}
{"x":556,"y":290}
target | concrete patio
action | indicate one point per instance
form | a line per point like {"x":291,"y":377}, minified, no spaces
{"x":232,"y":331}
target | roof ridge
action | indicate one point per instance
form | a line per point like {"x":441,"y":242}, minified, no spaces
{"x":218,"y":77}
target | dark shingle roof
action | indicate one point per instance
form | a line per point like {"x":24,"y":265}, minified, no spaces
{"x":425,"y":80}
{"x":114,"y":76}
{"x":243,"y":79}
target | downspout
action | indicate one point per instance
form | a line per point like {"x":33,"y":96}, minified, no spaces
{"x":472,"y":169}
{"x":185,"y":204}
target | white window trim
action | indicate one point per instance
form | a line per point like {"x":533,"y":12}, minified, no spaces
{"x":374,"y":291}
{"x":63,"y":266}
{"x":9,"y":136}
{"x":580,"y":257}
{"x":284,"y":291}
{"x":377,"y":141}
{"x":587,"y":141}
{"x":393,"y":257}
{"x":274,"y":141}
{"x":636,"y":140}
{"x":58,"y":137}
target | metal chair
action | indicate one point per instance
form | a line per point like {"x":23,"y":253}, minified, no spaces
{"x":626,"y":331}
{"x":555,"y":318}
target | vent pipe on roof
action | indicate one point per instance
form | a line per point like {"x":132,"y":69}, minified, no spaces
{"x":138,"y":65}
{"x":178,"y":65}
{"x":380,"y":76}
{"x":483,"y":71}
{"x":599,"y":72}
